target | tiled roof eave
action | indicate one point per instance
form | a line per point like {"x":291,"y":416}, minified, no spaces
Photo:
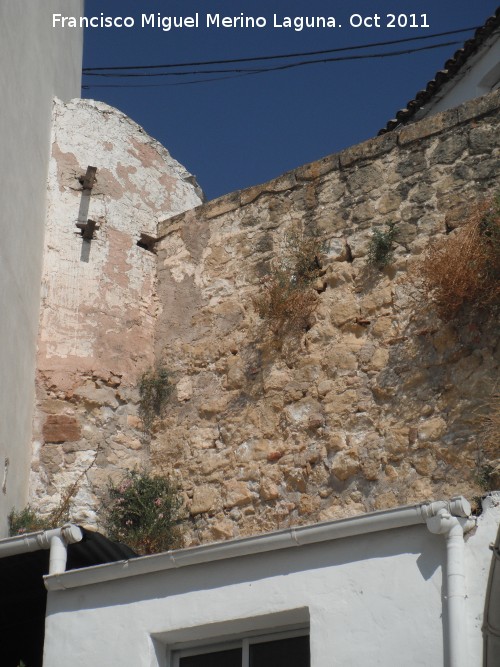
{"x":451,"y":67}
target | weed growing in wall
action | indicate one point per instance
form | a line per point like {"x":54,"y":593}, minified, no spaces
{"x":487,"y":463}
{"x":143,"y":512}
{"x":491,"y":424}
{"x":154,"y":391}
{"x":28,"y":520}
{"x":484,"y":477}
{"x":462,"y":271}
{"x":381,"y":248}
{"x":287,"y":299}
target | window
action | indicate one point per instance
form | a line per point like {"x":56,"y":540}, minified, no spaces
{"x":285,"y":649}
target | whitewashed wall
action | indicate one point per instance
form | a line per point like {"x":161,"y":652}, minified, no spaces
{"x":370,"y":600}
{"x":98,"y":301}
{"x":36,"y":63}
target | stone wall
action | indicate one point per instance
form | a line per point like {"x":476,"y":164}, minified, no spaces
{"x":378,"y":402}
{"x":99,"y":303}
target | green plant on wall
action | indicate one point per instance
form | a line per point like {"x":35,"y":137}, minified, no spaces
{"x":28,"y":520}
{"x":155,"y":389}
{"x":287,"y":299}
{"x":143,"y":512}
{"x":484,"y":475}
{"x":381,"y":248}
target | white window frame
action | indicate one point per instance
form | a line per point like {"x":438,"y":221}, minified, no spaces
{"x":243,"y":643}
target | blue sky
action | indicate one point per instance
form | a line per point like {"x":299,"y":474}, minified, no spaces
{"x":245,"y":130}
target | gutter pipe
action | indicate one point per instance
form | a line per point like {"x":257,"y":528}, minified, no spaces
{"x":56,"y":540}
{"x":400,"y":517}
{"x":452,"y":519}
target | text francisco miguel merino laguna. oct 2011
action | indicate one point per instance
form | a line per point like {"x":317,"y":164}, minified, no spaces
{"x":216,"y":20}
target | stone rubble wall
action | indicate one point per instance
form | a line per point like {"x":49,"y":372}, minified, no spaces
{"x":378,"y":404}
{"x":98,"y":302}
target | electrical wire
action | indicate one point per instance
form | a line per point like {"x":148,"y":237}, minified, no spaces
{"x":246,"y":72}
{"x":280,"y":67}
{"x":90,"y":70}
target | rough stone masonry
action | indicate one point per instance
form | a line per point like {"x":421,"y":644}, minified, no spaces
{"x":376,"y":405}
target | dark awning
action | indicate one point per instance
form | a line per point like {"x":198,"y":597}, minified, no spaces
{"x":24,"y":597}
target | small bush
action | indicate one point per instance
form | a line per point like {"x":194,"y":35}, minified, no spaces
{"x":285,"y":306}
{"x":154,"y":391}
{"x":287,"y":298}
{"x":489,"y":460}
{"x":301,"y":256}
{"x":380,"y":250}
{"x":143,"y":512}
{"x":27,"y":521}
{"x":491,"y":425}
{"x":462,"y":271}
{"x":484,"y":477}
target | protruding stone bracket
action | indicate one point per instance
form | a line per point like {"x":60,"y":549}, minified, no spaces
{"x":86,"y":226}
{"x":88,"y":229}
{"x":89,"y":179}
{"x":148,"y":242}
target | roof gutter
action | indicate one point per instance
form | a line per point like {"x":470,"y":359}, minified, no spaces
{"x":56,"y":540}
{"x":401,"y":517}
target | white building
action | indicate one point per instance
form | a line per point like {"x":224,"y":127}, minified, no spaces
{"x":392,"y":588}
{"x":472,"y":71}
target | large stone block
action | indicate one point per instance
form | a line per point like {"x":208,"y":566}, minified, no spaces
{"x":205,"y":499}
{"x":61,"y":428}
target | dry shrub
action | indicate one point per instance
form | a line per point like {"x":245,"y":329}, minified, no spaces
{"x":285,"y":306}
{"x":462,"y":271}
{"x":491,"y":429}
{"x":155,"y":388}
{"x":287,"y":299}
{"x":301,"y":256}
{"x":488,"y":463}
{"x":30,"y":520}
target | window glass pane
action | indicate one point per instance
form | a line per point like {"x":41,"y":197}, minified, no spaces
{"x":230,"y":658}
{"x":292,"y":652}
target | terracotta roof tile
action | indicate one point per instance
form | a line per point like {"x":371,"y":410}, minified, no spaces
{"x":451,"y":68}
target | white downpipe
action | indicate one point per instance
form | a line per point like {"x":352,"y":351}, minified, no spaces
{"x":58,"y":554}
{"x":442,"y":519}
{"x":56,"y":540}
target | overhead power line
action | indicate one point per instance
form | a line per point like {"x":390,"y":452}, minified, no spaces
{"x":238,"y":72}
{"x":258,"y":70}
{"x":89,"y":71}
